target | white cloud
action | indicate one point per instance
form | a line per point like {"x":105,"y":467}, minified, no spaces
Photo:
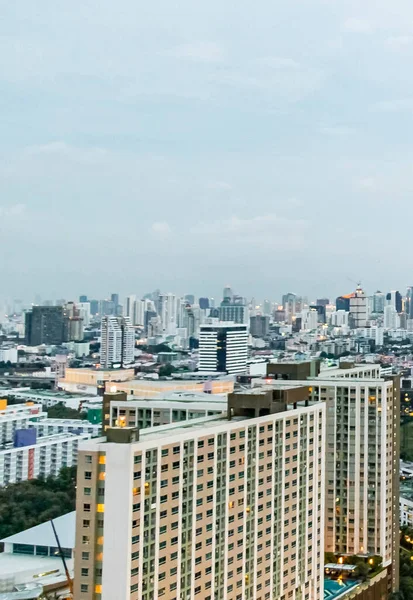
{"x":278,"y":62}
{"x":367,"y":183}
{"x":337,"y":130}
{"x":396,"y":105}
{"x":356,"y":25}
{"x":399,"y":41}
{"x":73,"y":153}
{"x":264,"y":230}
{"x":208,"y":52}
{"x":219,"y":185}
{"x":161,"y":228}
{"x":15,"y":210}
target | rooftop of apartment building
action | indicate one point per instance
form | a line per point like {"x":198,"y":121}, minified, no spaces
{"x":246,"y":411}
{"x":47,"y":439}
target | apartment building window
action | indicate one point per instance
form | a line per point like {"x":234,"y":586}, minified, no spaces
{"x":88,"y":474}
{"x":84,"y":587}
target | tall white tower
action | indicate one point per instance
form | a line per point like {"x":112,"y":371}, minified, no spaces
{"x":358,"y":308}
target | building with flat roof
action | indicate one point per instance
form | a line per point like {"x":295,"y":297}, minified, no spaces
{"x":362,"y":462}
{"x":167,"y":408}
{"x":151,"y":388}
{"x":227,"y":507}
{"x":16,"y":417}
{"x":47,"y":427}
{"x":31,"y":558}
{"x":90,"y":381}
{"x":31,"y":457}
{"x":223,"y":347}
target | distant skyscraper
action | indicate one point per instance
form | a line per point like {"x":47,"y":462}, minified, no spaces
{"x":259,"y":326}
{"x":94,"y":307}
{"x":233,"y":309}
{"x":266,"y":308}
{"x":394,"y":298}
{"x":223,"y":347}
{"x":167,"y":304}
{"x":358,"y":308}
{"x":323,"y":302}
{"x":118,"y":342}
{"x":83,"y":299}
{"x":409,"y":302}
{"x":391,"y":317}
{"x":190,"y":298}
{"x":115,"y":299}
{"x":228,"y":293}
{"x":45,"y":325}
{"x":204,"y":303}
{"x":129,"y":307}
{"x":289,"y":304}
{"x":343,"y":302}
{"x":379,"y":301}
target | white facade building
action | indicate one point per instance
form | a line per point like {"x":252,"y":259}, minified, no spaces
{"x":358,"y":308}
{"x":117,"y":342}
{"x":46,"y":457}
{"x":18,"y":416}
{"x":8,"y":353}
{"x":391,"y":318}
{"x":223,"y":347}
{"x":47,"y":427}
{"x":339,"y":318}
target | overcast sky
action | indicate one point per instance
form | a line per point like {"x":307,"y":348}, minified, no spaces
{"x":186,"y":145}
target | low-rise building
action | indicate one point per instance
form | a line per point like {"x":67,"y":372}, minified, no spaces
{"x":31,"y":557}
{"x":38,"y":457}
{"x":47,"y":427}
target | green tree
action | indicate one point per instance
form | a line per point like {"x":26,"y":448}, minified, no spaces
{"x":29,"y":503}
{"x":61,"y":411}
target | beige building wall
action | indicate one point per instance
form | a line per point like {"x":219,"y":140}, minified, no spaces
{"x":230,"y":510}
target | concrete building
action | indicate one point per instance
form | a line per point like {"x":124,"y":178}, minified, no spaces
{"x":212,"y":383}
{"x":362,"y":459}
{"x":165,"y":409}
{"x":222,"y":508}
{"x":8,"y":353}
{"x":117,"y":343}
{"x":90,"y":381}
{"x":379,"y":302}
{"x":406,"y":503}
{"x":358,"y":308}
{"x":31,"y":563}
{"x":233,"y":309}
{"x":17,"y":417}
{"x":223,"y":347}
{"x":44,"y":325}
{"x":259,"y":326}
{"x":391,"y":318}
{"x":47,"y":427}
{"x":44,"y":456}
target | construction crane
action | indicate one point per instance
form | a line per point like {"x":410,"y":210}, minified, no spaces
{"x":69,"y":579}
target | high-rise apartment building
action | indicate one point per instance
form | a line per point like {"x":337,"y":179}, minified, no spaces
{"x":214,"y":509}
{"x":117,"y":342}
{"x":129,"y":307}
{"x":362,"y":458}
{"x":45,"y":325}
{"x":358,"y":308}
{"x":223,"y":347}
